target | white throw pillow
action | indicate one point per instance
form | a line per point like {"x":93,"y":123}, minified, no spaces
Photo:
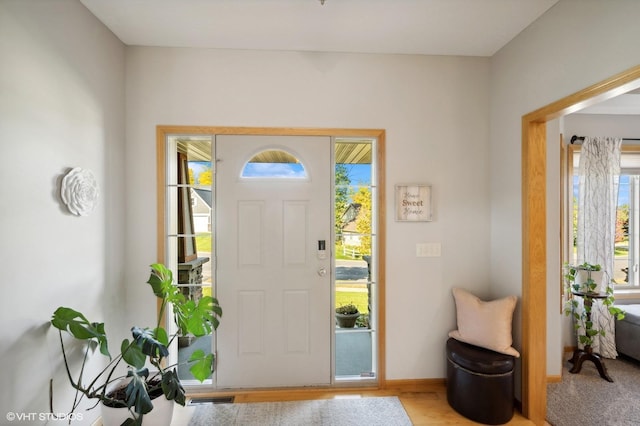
{"x":484,"y":324}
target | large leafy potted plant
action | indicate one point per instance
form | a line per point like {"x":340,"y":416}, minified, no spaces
{"x":138,"y":389}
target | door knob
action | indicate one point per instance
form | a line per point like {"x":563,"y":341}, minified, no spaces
{"x":322,"y":271}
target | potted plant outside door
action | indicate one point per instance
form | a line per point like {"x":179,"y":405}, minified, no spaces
{"x":346,"y":315}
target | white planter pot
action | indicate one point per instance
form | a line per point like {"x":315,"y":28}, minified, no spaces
{"x":160,"y":415}
{"x":597,"y":276}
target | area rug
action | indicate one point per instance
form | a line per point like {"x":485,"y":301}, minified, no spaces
{"x":383,"y":411}
{"x":587,"y":399}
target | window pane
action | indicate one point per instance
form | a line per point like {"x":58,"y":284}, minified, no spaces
{"x":353,"y":159}
{"x":274,"y":164}
{"x":190,"y":182}
{"x":354,"y":185}
{"x":625,"y":268}
{"x":621,"y":254}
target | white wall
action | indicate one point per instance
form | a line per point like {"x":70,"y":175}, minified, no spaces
{"x":575,"y":44}
{"x":62,"y":82}
{"x":61,"y":106}
{"x":618,"y":125}
{"x":554,"y":281}
{"x":434,"y":110}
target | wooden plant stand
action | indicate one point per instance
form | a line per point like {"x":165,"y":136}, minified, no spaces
{"x":587,"y":354}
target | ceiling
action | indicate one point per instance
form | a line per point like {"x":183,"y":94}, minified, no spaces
{"x":347,"y":151}
{"x":629,"y":103}
{"x":427,"y":27}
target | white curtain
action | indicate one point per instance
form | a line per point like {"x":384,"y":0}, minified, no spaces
{"x":599,"y":172}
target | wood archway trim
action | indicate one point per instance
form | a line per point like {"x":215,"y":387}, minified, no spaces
{"x":534,"y":297}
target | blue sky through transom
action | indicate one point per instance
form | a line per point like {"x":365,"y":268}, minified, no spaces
{"x":359,"y":174}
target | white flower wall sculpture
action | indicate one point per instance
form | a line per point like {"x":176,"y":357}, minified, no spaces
{"x":79,"y":191}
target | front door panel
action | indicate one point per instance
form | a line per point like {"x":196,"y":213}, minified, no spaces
{"x":275,"y":288}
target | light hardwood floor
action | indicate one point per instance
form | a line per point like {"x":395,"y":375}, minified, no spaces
{"x":424,"y":407}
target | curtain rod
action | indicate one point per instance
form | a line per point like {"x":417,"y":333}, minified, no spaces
{"x":581,"y":138}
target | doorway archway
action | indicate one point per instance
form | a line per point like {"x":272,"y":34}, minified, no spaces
{"x":534,"y":313}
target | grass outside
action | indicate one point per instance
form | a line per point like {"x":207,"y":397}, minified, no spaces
{"x":206,"y":290}
{"x":339,"y":252}
{"x":621,"y":250}
{"x":358,"y":298}
{"x":203,"y":242}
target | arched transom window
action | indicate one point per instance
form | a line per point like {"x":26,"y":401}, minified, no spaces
{"x":274,"y":163}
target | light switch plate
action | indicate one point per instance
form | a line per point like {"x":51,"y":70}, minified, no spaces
{"x":428,"y":250}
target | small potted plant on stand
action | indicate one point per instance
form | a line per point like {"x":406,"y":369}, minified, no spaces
{"x":139,"y":390}
{"x":583,"y":280}
{"x":580,"y":282}
{"x":346,"y":315}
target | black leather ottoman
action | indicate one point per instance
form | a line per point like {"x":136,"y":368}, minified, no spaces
{"x":480,"y":383}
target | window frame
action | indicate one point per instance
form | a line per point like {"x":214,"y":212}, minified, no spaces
{"x":620,"y":290}
{"x":163,"y":131}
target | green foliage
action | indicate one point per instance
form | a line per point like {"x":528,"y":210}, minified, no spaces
{"x":202,"y":363}
{"x":363,"y":221}
{"x":363,"y":321}
{"x":622,"y":223}
{"x":148,"y":345}
{"x":338,"y":251}
{"x":172,"y":388}
{"x":348,"y":309}
{"x":75,"y":323}
{"x":136,"y":391}
{"x":341,"y":201}
{"x":581,"y":319}
{"x":570,"y":278}
{"x":132,"y":354}
{"x":206,"y":177}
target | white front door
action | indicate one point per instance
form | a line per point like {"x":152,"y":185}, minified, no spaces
{"x":274,"y":286}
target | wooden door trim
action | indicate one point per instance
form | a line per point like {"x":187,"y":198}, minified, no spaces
{"x":534,"y":340}
{"x":162,"y":131}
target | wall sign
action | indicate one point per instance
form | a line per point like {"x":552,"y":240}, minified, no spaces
{"x":413,"y":203}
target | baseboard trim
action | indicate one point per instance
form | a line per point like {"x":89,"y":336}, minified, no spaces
{"x":558,"y":378}
{"x":403,"y":385}
{"x":277,"y":393}
{"x":415,"y":385}
{"x":554,"y":379}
